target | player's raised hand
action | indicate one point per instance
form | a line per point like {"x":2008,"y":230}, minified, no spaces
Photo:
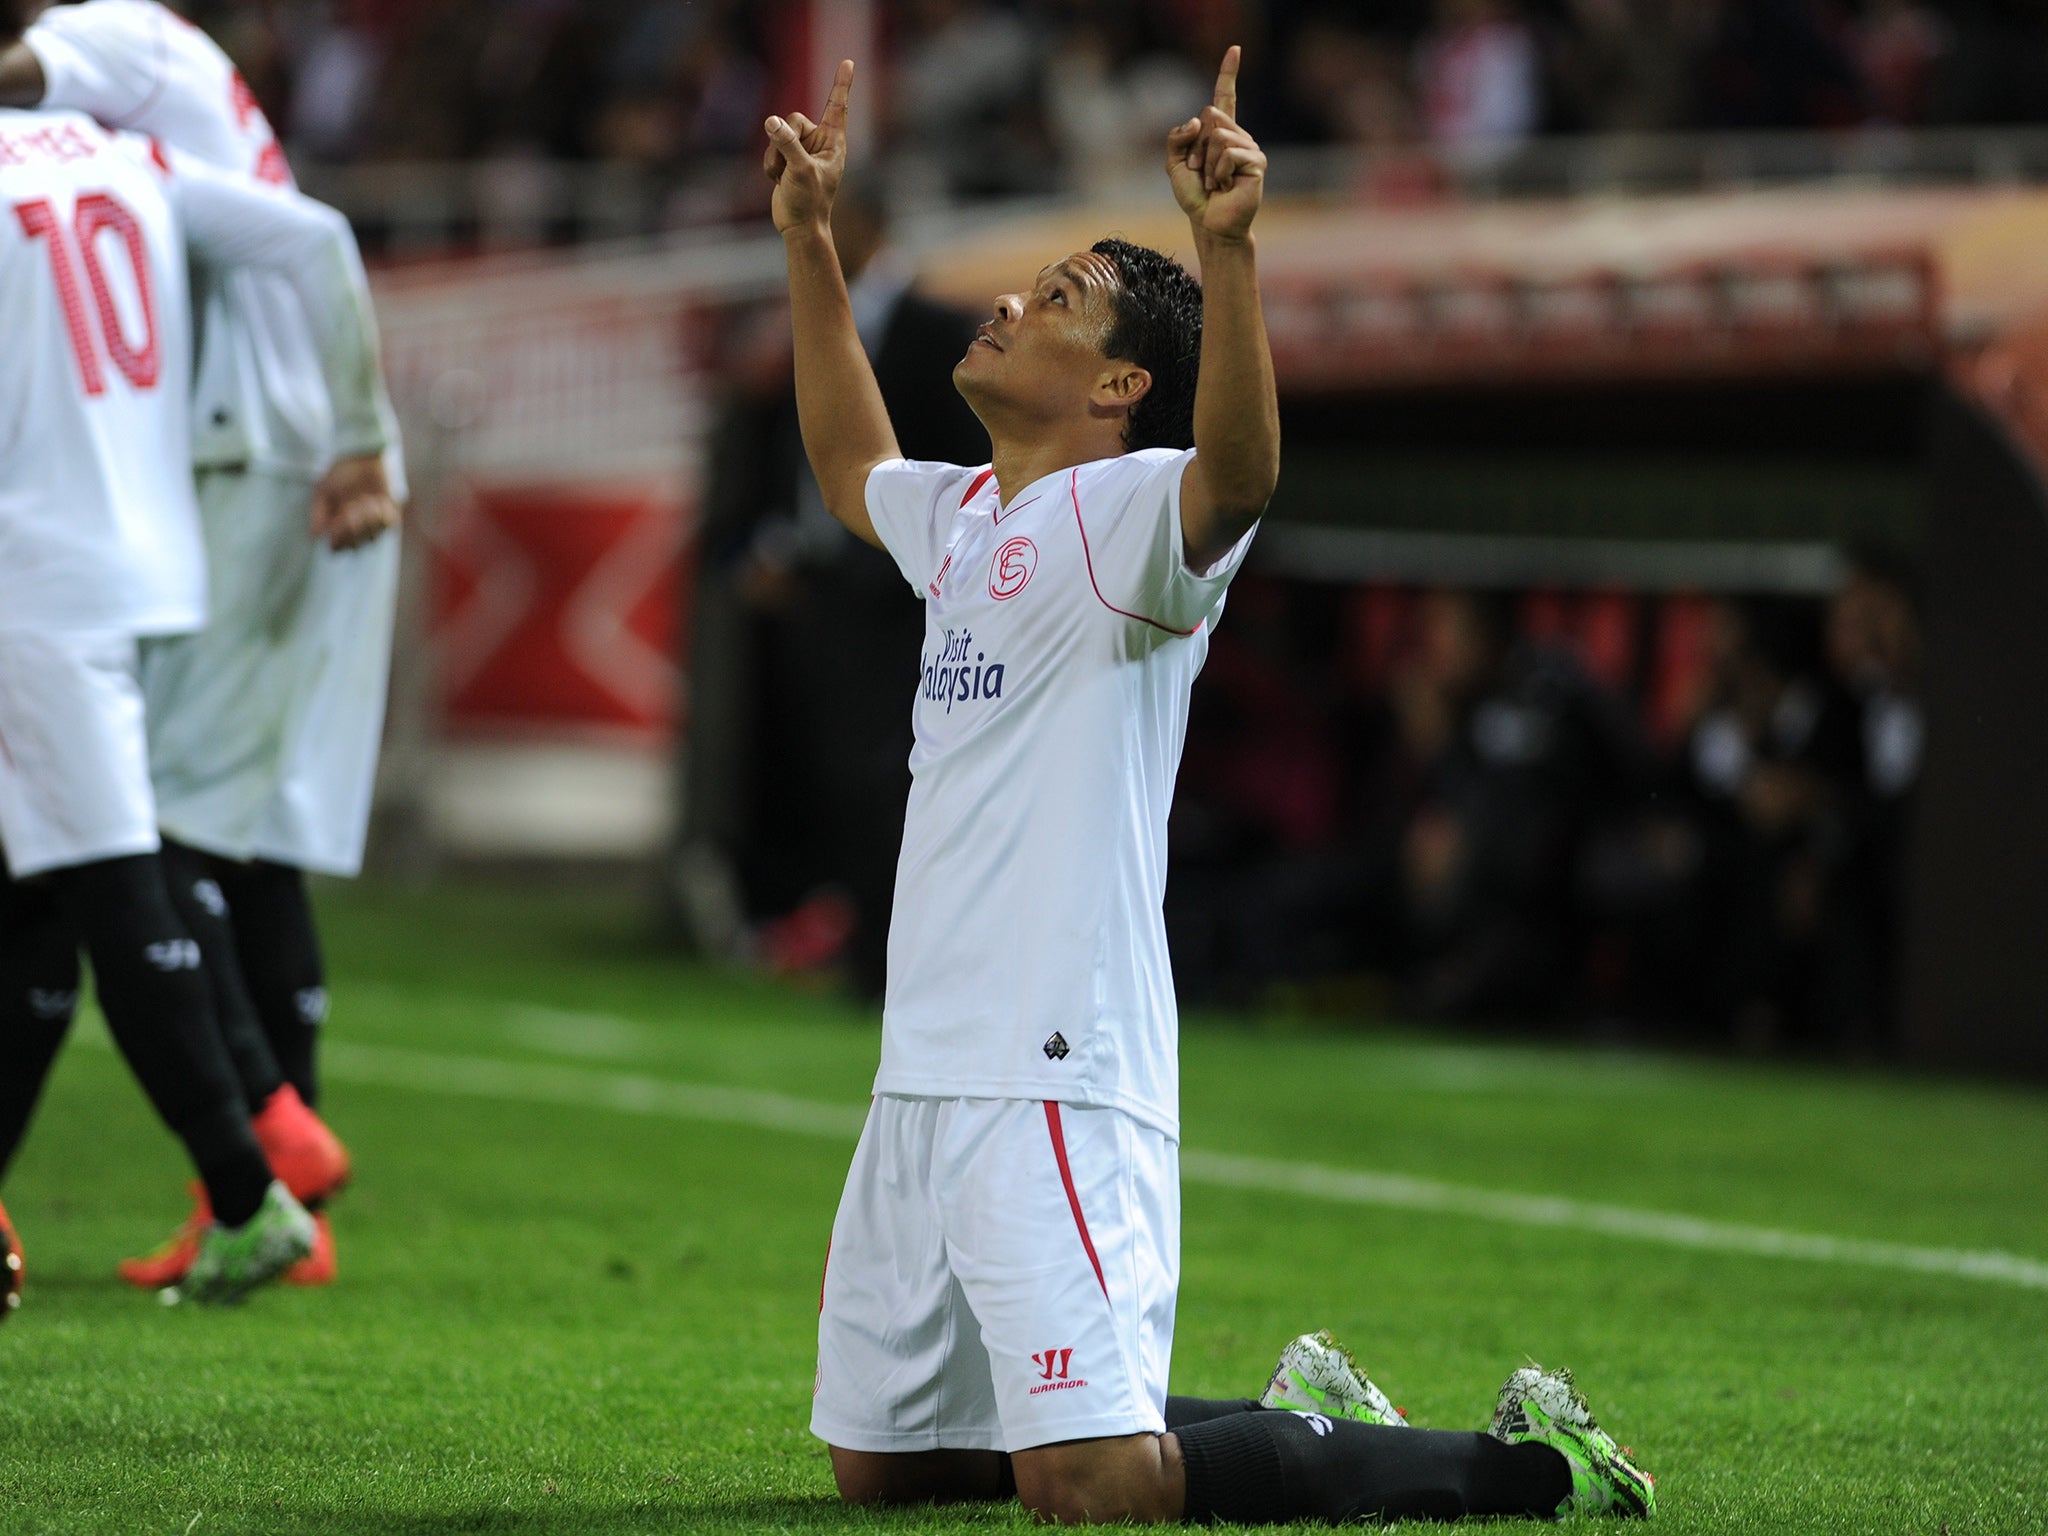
{"x":352,"y":504}
{"x":806,"y":160}
{"x":1217,"y":169}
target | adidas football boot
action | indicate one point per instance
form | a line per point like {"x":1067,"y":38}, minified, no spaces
{"x":1547,"y":1408}
{"x":1316,"y":1374}
{"x":233,"y":1261}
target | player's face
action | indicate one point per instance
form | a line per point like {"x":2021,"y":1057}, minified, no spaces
{"x":1042,"y":350}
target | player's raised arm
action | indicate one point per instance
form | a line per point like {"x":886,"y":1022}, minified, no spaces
{"x":1218,"y":173}
{"x":839,"y":406}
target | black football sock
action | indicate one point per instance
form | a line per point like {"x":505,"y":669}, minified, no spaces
{"x":38,"y":995}
{"x":1269,"y":1468}
{"x":281,"y":961}
{"x":152,"y":988}
{"x":1199,"y":1410}
{"x":203,"y":908}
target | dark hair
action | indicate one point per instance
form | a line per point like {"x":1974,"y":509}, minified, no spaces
{"x":1157,"y":324}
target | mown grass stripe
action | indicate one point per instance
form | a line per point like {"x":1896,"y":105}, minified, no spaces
{"x":629,"y":1093}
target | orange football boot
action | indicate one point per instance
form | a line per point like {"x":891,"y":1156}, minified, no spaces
{"x":303,"y":1153}
{"x":171,"y":1260}
{"x":317,"y":1267}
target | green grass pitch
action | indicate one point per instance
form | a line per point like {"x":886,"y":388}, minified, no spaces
{"x":576,"y":1298}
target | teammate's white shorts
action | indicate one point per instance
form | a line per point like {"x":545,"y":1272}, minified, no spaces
{"x":74,"y":767}
{"x":1002,"y":1275}
{"x":264,"y":727}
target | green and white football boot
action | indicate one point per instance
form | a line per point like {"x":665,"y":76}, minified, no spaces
{"x":1547,"y":1408}
{"x":1316,"y":1374}
{"x":233,"y":1261}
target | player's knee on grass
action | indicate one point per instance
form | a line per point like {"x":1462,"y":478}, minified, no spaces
{"x":1136,"y":1478}
{"x":920,"y":1477}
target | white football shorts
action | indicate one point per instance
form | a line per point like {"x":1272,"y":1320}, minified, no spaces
{"x":1002,"y":1275}
{"x":264,"y":727}
{"x":74,"y":764}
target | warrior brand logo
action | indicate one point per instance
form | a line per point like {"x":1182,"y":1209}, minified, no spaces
{"x":1052,"y":1372}
{"x":208,"y":894}
{"x":961,"y":674}
{"x":1055,"y":1048}
{"x":1011,"y":569}
{"x":174,"y":955}
{"x":311,"y":1006}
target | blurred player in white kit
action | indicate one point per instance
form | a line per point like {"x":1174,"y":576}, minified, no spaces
{"x":101,"y":552}
{"x":264,"y":727}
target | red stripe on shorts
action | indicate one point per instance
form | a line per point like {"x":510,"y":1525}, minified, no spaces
{"x":1059,"y":1152}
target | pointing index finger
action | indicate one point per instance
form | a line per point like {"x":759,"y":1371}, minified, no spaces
{"x":835,"y":103}
{"x":1226,"y":80}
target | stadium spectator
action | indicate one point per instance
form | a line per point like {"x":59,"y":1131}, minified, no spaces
{"x":1113,"y":89}
{"x":1480,"y":80}
{"x":966,"y":118}
{"x":1900,"y":46}
{"x":1628,"y":66}
{"x":334,"y":81}
{"x":1353,"y":87}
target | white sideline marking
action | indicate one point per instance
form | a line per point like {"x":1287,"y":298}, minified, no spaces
{"x":480,"y":1077}
{"x":1404,"y":1193}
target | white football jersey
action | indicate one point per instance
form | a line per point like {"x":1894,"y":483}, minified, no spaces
{"x":1027,"y":951}
{"x":260,"y":398}
{"x":99,"y":529}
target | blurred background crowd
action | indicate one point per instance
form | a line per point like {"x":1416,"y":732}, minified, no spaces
{"x":987,"y":97}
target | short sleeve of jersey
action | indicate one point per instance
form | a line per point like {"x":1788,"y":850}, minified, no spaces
{"x":911,"y":504}
{"x":1129,"y":512}
{"x":106,"y":60}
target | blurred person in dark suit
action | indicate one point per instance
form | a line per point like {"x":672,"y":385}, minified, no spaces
{"x":1521,"y":758}
{"x":1873,"y":653}
{"x":804,"y":651}
{"x":1765,"y":764}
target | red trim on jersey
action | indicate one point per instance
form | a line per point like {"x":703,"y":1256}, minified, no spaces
{"x":974,"y":489}
{"x":1003,"y":512}
{"x":1059,"y":1152}
{"x":1074,"y":488}
{"x":157,"y":156}
{"x":822,"y":1274}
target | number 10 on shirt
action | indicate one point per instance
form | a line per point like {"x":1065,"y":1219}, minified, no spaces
{"x":97,"y":214}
